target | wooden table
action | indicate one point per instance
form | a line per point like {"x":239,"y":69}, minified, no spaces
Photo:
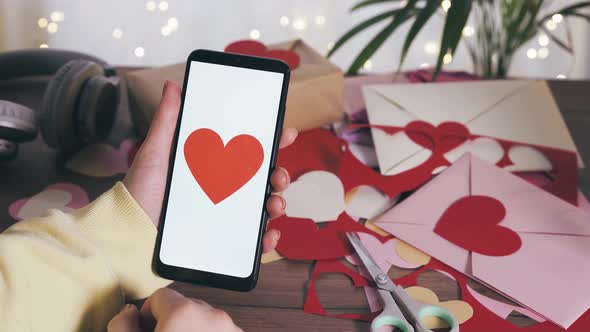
{"x":277,"y":302}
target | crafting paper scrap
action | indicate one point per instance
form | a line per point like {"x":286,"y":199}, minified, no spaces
{"x":502,"y":309}
{"x":103,"y":160}
{"x":65,"y":197}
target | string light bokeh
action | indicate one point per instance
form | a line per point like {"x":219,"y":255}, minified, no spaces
{"x":160,"y":32}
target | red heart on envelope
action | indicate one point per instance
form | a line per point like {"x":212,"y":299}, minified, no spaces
{"x":446,"y":136}
{"x":255,"y":48}
{"x":465,"y":224}
{"x":222,"y":170}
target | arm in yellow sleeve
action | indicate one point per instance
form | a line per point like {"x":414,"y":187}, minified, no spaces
{"x":73,"y":272}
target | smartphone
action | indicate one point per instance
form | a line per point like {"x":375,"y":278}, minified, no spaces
{"x":223,"y":153}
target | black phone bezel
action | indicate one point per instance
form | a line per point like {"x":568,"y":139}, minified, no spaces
{"x":204,"y":277}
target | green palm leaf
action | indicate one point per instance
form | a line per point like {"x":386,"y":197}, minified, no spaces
{"x":455,"y":21}
{"x":360,"y":27}
{"x":370,"y":2}
{"x":421,"y":19}
{"x":402,"y":16}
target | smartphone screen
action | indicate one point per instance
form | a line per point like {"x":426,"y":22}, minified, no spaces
{"x":227,"y":138}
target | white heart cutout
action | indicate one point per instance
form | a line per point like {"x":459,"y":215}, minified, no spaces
{"x":317,"y":195}
{"x":526,"y":158}
{"x":482,"y":147}
{"x":367,"y":202}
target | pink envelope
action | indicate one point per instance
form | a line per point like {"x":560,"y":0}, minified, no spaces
{"x":549,"y":272}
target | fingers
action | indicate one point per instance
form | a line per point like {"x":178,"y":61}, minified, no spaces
{"x":280,"y":179}
{"x":270,"y":240}
{"x":160,"y":303}
{"x":289,"y":135}
{"x":275,"y":206}
{"x":127,"y":320}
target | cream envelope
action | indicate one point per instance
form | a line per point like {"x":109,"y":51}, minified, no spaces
{"x":549,"y":273}
{"x":521,"y":111}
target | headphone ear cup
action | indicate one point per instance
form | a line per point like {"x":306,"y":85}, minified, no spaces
{"x":58,"y":119}
{"x":97,"y":108}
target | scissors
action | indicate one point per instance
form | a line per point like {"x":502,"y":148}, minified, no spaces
{"x":399,"y":309}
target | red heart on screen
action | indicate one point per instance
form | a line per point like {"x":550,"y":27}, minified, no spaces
{"x":256,"y":48}
{"x":472,"y":223}
{"x":446,"y":136}
{"x":222,"y":170}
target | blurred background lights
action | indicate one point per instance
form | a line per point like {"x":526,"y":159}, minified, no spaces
{"x":446,"y":4}
{"x":150,"y":5}
{"x":551,"y":25}
{"x":468,"y":31}
{"x":299,"y":24}
{"x":173,"y":23}
{"x":424,"y":65}
{"x":320,"y":20}
{"x":557,"y":18}
{"x":368,"y":65}
{"x":284,"y":20}
{"x":431,"y":47}
{"x":42,"y":23}
{"x":139,"y":52}
{"x":543,"y":40}
{"x":543,"y":52}
{"x":43,"y":46}
{"x":52,"y":27}
{"x":254,"y":34}
{"x":331,"y":45}
{"x":166,"y":30}
{"x":163,"y":5}
{"x":57,"y":16}
{"x":117,"y":33}
{"x":561,"y":77}
{"x":531,"y":53}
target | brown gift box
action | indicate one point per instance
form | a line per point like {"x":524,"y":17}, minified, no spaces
{"x":315,"y":91}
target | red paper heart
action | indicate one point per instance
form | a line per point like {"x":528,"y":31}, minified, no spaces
{"x":255,"y":48}
{"x":472,"y":223}
{"x":312,"y":303}
{"x":302,"y":239}
{"x":446,"y":136}
{"x":219,"y":170}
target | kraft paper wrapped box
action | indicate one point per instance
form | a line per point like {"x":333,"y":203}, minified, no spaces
{"x":315,"y":91}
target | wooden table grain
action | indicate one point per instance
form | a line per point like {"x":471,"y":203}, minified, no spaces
{"x":277,"y":302}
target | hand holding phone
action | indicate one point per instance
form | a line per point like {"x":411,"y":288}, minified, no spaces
{"x":224,"y":148}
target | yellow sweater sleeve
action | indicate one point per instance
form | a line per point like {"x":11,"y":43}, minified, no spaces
{"x":73,"y":272}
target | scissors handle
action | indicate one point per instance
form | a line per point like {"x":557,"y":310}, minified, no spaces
{"x":391,"y":315}
{"x":417,"y":312}
{"x":438,"y":312}
{"x":420,"y":311}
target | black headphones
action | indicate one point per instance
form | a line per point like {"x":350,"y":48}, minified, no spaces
{"x":79,"y":105}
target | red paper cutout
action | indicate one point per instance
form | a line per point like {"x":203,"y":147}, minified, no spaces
{"x":564,"y":162}
{"x":312,"y":303}
{"x":255,"y":48}
{"x":219,"y":170}
{"x":472,"y":223}
{"x":484,"y":320}
{"x":302,"y":239}
{"x":314,"y":150}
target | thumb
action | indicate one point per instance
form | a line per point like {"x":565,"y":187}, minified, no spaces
{"x":163,"y":124}
{"x":127,"y":320}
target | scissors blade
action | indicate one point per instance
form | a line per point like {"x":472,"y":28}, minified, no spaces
{"x":379,"y":277}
